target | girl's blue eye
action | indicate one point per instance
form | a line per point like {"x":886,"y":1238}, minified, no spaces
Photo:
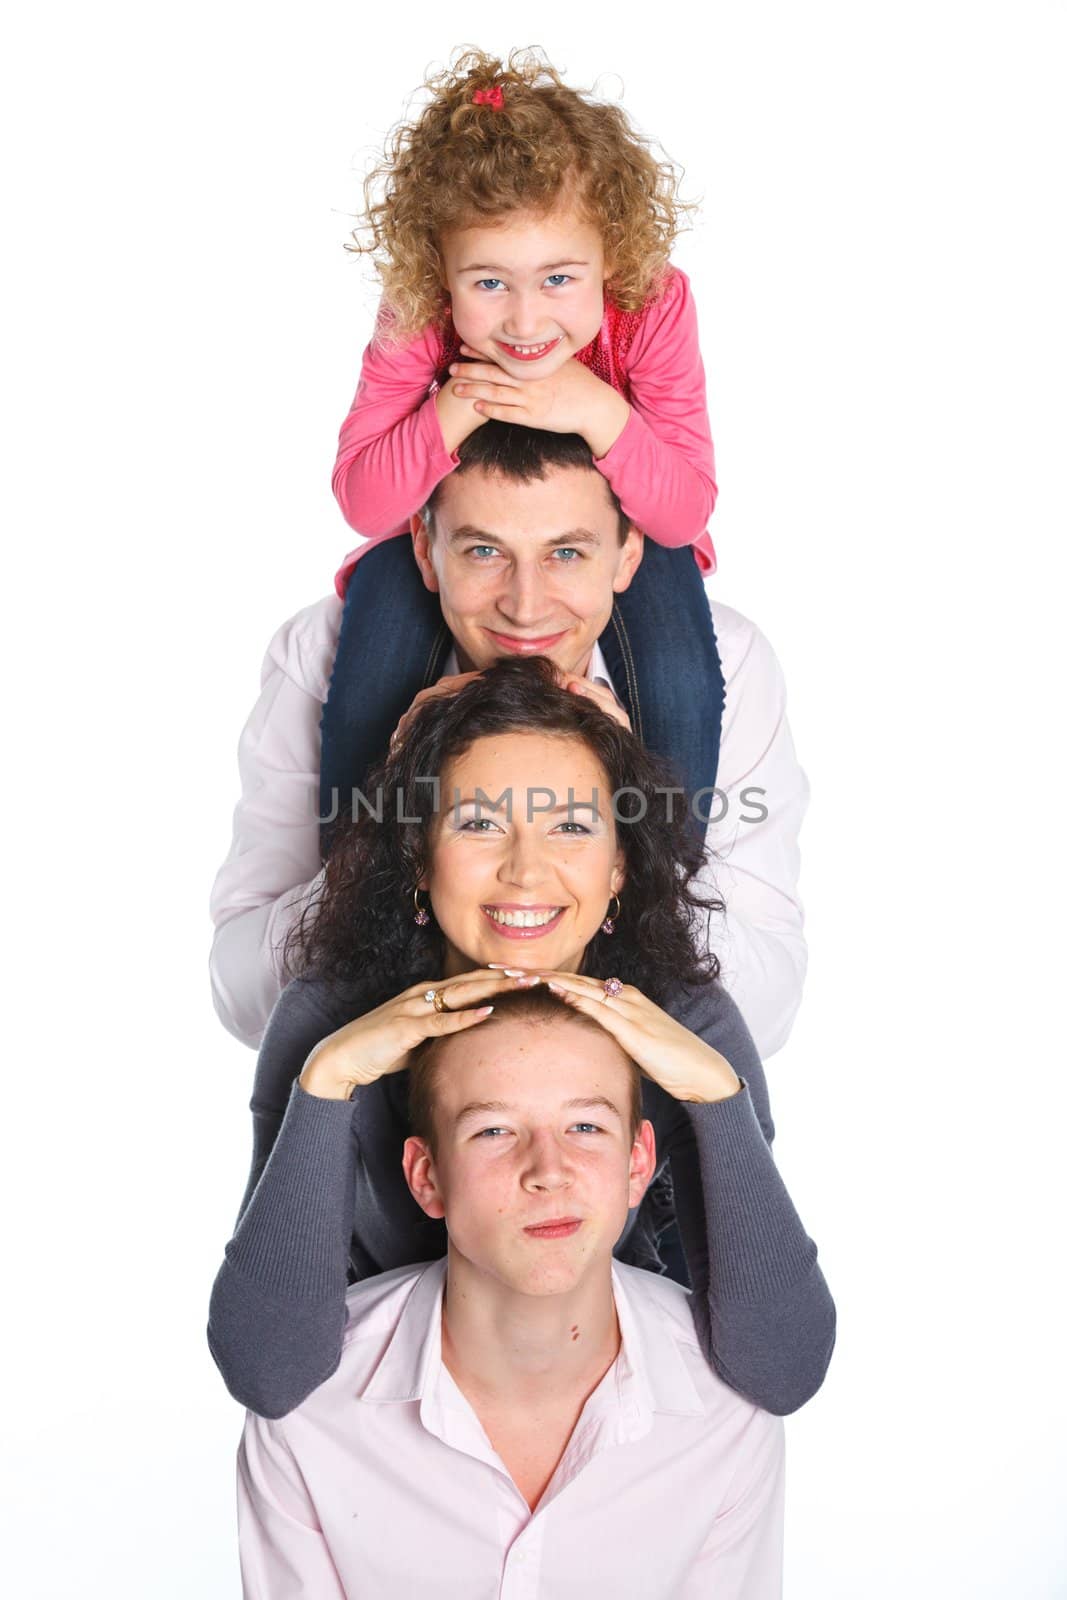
{"x":558,"y":279}
{"x":489,"y":283}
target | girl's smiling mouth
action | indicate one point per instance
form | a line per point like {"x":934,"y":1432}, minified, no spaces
{"x":529,"y":352}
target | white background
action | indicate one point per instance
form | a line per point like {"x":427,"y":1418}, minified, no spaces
{"x":880,"y":270}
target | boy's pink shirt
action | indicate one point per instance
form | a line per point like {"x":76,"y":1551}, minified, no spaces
{"x":391,"y":454}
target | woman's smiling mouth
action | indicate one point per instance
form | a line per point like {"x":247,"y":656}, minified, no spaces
{"x":523,"y":922}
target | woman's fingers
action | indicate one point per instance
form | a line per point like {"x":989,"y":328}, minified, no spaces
{"x":469,"y":989}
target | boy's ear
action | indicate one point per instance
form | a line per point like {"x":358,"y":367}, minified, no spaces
{"x":642,"y":1162}
{"x":422,"y":542}
{"x":421,"y":1178}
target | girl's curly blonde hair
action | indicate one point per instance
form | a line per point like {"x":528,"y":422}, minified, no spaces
{"x":462,"y":161}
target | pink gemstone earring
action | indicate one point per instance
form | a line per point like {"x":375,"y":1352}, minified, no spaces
{"x":608,"y":924}
{"x":422,"y":916}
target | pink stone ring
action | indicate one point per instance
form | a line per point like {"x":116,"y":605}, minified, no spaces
{"x":612,"y":987}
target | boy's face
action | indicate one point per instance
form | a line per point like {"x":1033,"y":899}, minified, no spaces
{"x":526,"y":568}
{"x":535,"y":1166}
{"x":527,"y":292}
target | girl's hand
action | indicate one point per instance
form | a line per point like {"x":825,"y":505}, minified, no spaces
{"x":666,"y":1052}
{"x":572,"y":400}
{"x":377,"y":1044}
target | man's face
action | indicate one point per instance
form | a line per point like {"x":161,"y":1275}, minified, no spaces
{"x":536,"y":1166}
{"x":526,"y":568}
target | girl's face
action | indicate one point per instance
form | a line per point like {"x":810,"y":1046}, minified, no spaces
{"x":523,"y":856}
{"x":527,"y":292}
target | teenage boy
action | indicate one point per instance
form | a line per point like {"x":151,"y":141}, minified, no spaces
{"x":525,"y":1418}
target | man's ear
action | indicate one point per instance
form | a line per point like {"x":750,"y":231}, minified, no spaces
{"x":642,"y":1162}
{"x":420,"y":539}
{"x":421,"y":1178}
{"x":630,"y":556}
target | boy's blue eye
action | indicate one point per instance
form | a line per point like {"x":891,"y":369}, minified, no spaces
{"x":557,"y":279}
{"x":587,"y":1127}
{"x":488,"y":283}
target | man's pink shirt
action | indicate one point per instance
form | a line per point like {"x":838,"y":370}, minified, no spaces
{"x":391,"y":455}
{"x":384,"y":1482}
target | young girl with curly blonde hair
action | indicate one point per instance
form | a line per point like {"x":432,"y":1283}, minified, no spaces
{"x":522,"y":233}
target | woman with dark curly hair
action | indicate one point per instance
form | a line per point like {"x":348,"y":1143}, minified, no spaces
{"x":519,"y":834}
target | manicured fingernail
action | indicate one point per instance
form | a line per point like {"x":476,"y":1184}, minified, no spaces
{"x":556,"y":989}
{"x":483,"y":1011}
{"x":528,"y":980}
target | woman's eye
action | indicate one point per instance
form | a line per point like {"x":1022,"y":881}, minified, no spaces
{"x":489,"y":283}
{"x":573,"y":829}
{"x":477,"y":825}
{"x":556,"y":280}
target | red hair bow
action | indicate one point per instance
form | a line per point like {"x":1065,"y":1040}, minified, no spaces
{"x":490,"y":97}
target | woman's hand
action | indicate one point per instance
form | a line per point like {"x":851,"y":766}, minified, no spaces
{"x":571,"y":400}
{"x":666,"y":1052}
{"x":379,"y":1043}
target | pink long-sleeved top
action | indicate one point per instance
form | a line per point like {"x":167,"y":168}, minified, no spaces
{"x":391,"y":455}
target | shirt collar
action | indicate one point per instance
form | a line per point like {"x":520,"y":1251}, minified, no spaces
{"x":650,"y":1372}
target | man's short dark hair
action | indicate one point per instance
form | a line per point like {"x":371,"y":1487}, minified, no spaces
{"x":524,"y":455}
{"x":538,"y":1004}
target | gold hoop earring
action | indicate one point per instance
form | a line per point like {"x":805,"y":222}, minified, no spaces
{"x":608,"y":924}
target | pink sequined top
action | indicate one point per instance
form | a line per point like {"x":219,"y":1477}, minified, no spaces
{"x":391,"y":455}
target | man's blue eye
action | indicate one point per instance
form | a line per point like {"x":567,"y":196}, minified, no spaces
{"x":566,"y":552}
{"x":588,"y":1127}
{"x":558,"y":279}
{"x":488,"y":283}
{"x":483,"y":550}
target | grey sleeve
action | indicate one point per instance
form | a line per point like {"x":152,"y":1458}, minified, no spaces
{"x":278,"y":1302}
{"x":762,"y":1309}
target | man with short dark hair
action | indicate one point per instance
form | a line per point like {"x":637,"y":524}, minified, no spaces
{"x":526,"y":1418}
{"x":524,"y":550}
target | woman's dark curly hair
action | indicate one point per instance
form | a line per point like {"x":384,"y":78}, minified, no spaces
{"x":360,"y":929}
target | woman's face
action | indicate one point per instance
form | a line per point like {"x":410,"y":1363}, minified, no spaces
{"x":523,"y":856}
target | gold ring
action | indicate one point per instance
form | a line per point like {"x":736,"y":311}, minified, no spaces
{"x":439,"y":1000}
